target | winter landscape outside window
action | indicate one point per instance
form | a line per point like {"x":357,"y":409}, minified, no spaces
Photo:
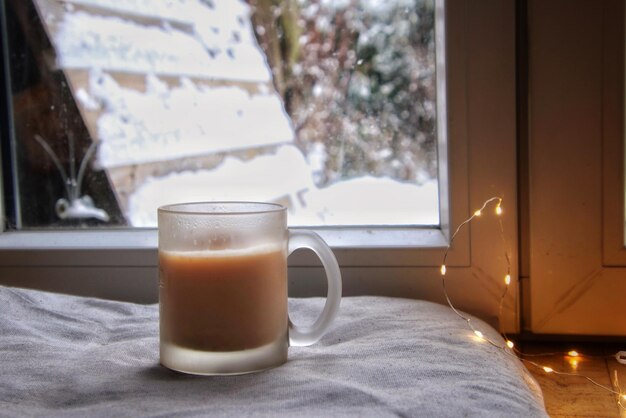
{"x":120,"y":106}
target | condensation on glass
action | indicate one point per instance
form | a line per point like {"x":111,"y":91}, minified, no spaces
{"x":119,"y":107}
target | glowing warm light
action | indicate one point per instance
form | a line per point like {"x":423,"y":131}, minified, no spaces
{"x":507,"y":279}
{"x":572,"y":357}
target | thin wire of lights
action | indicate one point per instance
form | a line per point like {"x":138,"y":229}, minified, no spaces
{"x":509,"y":347}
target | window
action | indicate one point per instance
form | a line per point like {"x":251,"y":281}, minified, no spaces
{"x":474,"y":109}
{"x":326,"y":107}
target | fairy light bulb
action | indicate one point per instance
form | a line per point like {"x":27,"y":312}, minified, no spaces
{"x":478,"y":213}
{"x":510,"y":344}
{"x":548,"y":369}
{"x":498,"y":210}
{"x":479,"y":334}
{"x":507,"y":279}
{"x":573,"y":353}
{"x":443,"y":269}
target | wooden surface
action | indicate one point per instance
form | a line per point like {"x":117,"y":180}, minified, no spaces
{"x":575,"y":396}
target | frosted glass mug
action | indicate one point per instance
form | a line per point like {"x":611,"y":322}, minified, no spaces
{"x":223,"y":287}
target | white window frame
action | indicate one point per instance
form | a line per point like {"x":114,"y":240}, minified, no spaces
{"x":477,"y":160}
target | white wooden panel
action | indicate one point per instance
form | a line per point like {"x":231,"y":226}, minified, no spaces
{"x":571,"y":292}
{"x":614,"y":252}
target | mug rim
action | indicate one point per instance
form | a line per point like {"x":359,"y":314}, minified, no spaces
{"x":187,"y":208}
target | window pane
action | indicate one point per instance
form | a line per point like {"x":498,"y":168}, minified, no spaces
{"x":120,"y":106}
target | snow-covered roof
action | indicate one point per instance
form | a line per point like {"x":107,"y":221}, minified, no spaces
{"x":189,"y":38}
{"x":165,"y":123}
{"x":163,"y":80}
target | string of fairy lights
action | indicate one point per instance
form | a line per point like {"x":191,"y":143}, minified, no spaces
{"x":572,"y":356}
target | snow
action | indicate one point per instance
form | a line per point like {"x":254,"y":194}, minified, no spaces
{"x":219,"y":43}
{"x":197,"y":39}
{"x":165,"y":122}
{"x":173,"y":10}
{"x":286,"y":175}
{"x":372,"y":7}
{"x":371,"y":200}
{"x":264,"y":178}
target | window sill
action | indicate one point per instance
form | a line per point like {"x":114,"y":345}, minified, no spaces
{"x":137,"y":248}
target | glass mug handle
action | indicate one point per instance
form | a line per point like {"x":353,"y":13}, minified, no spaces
{"x":302,"y":336}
